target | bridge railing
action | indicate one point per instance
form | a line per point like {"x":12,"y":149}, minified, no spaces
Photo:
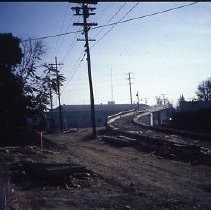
{"x":137,"y":114}
{"x":112,"y":118}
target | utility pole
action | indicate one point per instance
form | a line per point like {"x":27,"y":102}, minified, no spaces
{"x":50,"y":96}
{"x":50,"y":90}
{"x":112,"y":95}
{"x":164,"y":100}
{"x":129,"y":80}
{"x":58,"y":89}
{"x":137,"y":95}
{"x":86,"y":11}
{"x":145,"y":100}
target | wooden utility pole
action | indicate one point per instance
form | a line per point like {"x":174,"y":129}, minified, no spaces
{"x":137,"y":95}
{"x":164,"y":99}
{"x":58,"y":89}
{"x":129,"y":80}
{"x":86,"y":11}
{"x":112,"y":92}
{"x":50,"y":90}
{"x":145,"y":100}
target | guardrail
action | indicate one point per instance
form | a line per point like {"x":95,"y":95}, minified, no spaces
{"x":112,"y":118}
{"x":137,"y":114}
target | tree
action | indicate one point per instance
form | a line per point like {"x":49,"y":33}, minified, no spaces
{"x":57,"y":80}
{"x":159,"y":100}
{"x":24,"y":83}
{"x":181,"y":102}
{"x":10,"y":51}
{"x":32,"y":73}
{"x":204,"y":91}
{"x":163,"y":101}
{"x":12,"y":106}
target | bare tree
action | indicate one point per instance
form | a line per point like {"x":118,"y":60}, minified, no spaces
{"x":32,"y":72}
{"x":204,"y":90}
{"x":159,"y":100}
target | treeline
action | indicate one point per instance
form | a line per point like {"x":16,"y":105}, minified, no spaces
{"x":195,"y":115}
{"x":196,"y":121}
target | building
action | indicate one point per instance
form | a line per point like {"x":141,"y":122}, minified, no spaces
{"x":79,"y":116}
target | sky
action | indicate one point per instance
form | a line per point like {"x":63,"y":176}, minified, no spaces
{"x":168,"y":53}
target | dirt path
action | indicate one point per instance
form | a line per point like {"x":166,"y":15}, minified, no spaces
{"x":125,"y":178}
{"x":153,"y":181}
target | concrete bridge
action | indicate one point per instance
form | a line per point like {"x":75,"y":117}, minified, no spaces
{"x":156,"y":115}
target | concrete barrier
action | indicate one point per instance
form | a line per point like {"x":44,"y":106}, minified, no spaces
{"x":112,"y":118}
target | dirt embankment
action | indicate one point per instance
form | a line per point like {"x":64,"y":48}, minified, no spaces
{"x":123,"y":178}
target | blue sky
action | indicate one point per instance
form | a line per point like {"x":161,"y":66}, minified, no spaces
{"x":168,"y":53}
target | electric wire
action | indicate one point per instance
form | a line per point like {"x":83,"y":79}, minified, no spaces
{"x":66,"y":31}
{"x":75,"y":68}
{"x":147,"y":15}
{"x":115,"y":23}
{"x":121,"y":19}
{"x":62,"y":26}
{"x":62,"y":41}
{"x":70,"y":48}
{"x":122,"y":6}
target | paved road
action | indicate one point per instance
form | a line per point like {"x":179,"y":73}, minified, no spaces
{"x":4,"y":188}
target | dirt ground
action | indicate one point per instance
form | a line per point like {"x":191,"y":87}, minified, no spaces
{"x":123,"y":178}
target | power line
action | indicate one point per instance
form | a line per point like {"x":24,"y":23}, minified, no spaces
{"x":69,"y":42}
{"x":62,"y":41}
{"x":53,"y":36}
{"x":117,"y":12}
{"x":130,"y":11}
{"x":147,"y":15}
{"x":157,"y":13}
{"x":115,"y":23}
{"x":70,"y":48}
{"x":75,"y":68}
{"x":111,"y":18}
{"x":62,"y":26}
